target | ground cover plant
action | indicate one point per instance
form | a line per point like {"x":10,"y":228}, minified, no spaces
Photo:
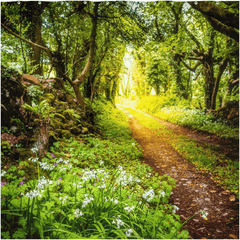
{"x":89,"y":187}
{"x":224,"y":172}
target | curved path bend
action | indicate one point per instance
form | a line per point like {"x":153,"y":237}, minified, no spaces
{"x":195,"y":190}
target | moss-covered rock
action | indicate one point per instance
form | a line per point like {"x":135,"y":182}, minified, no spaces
{"x":61,"y":105}
{"x":25,"y":153}
{"x":55,"y":123}
{"x":49,"y":97}
{"x":68,"y":113}
{"x":76,"y":130}
{"x":66,"y":134}
{"x":59,"y":116}
{"x":52,"y":137}
{"x":85,"y":130}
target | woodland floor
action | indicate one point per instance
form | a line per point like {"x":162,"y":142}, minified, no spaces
{"x":195,"y":190}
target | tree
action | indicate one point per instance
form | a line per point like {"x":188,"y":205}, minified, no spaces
{"x":221,"y":19}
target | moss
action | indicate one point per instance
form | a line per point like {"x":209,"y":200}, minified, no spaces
{"x":66,"y":134}
{"x":52,"y":137}
{"x":85,"y":130}
{"x":68,"y":113}
{"x":25,"y":153}
{"x":60,"y":116}
{"x":49,"y":97}
{"x":55,"y":123}
{"x":75,"y":130}
{"x":61,"y":105}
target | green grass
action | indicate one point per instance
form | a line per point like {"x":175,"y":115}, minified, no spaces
{"x":225,"y":172}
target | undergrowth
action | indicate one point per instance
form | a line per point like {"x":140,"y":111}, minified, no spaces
{"x":224,"y":172}
{"x":89,"y":187}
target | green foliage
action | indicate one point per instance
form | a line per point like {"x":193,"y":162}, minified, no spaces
{"x":85,"y":190}
{"x":43,"y":108}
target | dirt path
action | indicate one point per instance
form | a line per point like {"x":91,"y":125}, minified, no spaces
{"x":195,"y":191}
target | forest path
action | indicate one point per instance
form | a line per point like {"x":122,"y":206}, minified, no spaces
{"x":195,"y":190}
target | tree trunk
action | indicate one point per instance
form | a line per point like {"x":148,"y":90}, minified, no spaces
{"x":80,"y":100}
{"x":217,"y":81}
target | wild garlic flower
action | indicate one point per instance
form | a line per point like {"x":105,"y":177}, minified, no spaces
{"x":118,"y":221}
{"x":149,"y":195}
{"x":45,"y":166}
{"x":33,"y":194}
{"x":120,"y":168}
{"x":63,"y":199}
{"x":175,"y":208}
{"x":78,"y":185}
{"x":162,"y":193}
{"x":43,"y":181}
{"x":115,"y":201}
{"x":3,"y":173}
{"x":34,"y":149}
{"x":101,"y":162}
{"x":78,"y":213}
{"x":87,"y":200}
{"x":129,"y":209}
{"x":204,"y":214}
{"x":129,"y":232}
{"x":103,"y":186}
{"x":33,"y":159}
{"x":59,"y":160}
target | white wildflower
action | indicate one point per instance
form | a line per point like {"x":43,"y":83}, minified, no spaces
{"x":78,"y":213}
{"x":204,"y":214}
{"x":129,"y":232}
{"x":149,"y":195}
{"x":3,"y":173}
{"x":129,"y":209}
{"x":162,"y":193}
{"x":175,"y":208}
{"x":118,"y":222}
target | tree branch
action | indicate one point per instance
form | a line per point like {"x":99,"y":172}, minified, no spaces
{"x":193,"y":69}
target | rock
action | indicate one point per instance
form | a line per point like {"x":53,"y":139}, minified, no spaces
{"x":30,"y":80}
{"x":11,"y":139}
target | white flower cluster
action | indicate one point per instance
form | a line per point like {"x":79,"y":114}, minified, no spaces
{"x":175,"y":208}
{"x":88,"y":174}
{"x":103,"y":186}
{"x":149,"y":195}
{"x":63,"y":161}
{"x":129,"y":232}
{"x":78,"y":213}
{"x":43,"y":181}
{"x":118,"y":221}
{"x":87,"y":200}
{"x":33,"y":194}
{"x":33,"y":159}
{"x":63,"y":199}
{"x":148,"y":175}
{"x":45,"y":166}
{"x":3,"y":173}
{"x":162,"y":193}
{"x":78,"y":185}
{"x":115,"y":201}
{"x":101,"y":162}
{"x":124,"y":179}
{"x":129,"y":209}
{"x":34,"y":149}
